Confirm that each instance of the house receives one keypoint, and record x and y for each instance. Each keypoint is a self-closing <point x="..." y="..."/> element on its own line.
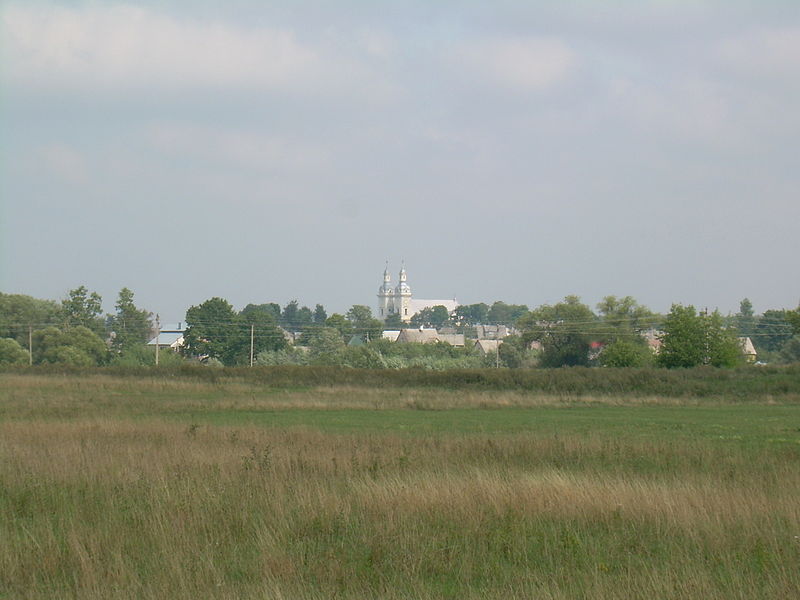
<point x="454" y="339"/>
<point x="488" y="346"/>
<point x="748" y="349"/>
<point x="418" y="336"/>
<point x="492" y="332"/>
<point x="390" y="334"/>
<point x="171" y="338"/>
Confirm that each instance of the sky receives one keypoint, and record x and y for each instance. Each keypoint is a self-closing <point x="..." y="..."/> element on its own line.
<point x="506" y="150"/>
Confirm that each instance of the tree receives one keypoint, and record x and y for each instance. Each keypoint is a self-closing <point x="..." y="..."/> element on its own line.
<point x="472" y="314"/>
<point x="393" y="321"/>
<point x="565" y="331"/>
<point x="320" y="315"/>
<point x="326" y="346"/>
<point x="289" y="315"/>
<point x="501" y="313"/>
<point x="683" y="342"/>
<point x="83" y="308"/>
<point x="793" y="318"/>
<point x="19" y="312"/>
<point x="772" y="331"/>
<point x="745" y="318"/>
<point x="431" y="316"/>
<point x="790" y="353"/>
<point x="266" y="336"/>
<point x="624" y="317"/>
<point x="363" y="323"/>
<point x="340" y="324"/>
<point x="625" y="353"/>
<point x="11" y="353"/>
<point x="131" y="326"/>
<point x="78" y="346"/>
<point x="211" y="329"/>
<point x="691" y="339"/>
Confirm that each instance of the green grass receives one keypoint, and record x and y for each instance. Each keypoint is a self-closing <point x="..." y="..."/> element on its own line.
<point x="113" y="487"/>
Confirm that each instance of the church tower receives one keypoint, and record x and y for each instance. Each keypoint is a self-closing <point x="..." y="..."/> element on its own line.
<point x="385" y="296"/>
<point x="402" y="297"/>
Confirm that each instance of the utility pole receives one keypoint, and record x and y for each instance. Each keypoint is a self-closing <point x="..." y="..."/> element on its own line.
<point x="30" y="345"/>
<point x="251" y="343"/>
<point x="497" y="354"/>
<point x="158" y="332"/>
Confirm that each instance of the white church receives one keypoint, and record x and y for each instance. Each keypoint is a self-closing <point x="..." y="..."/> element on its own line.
<point x="399" y="300"/>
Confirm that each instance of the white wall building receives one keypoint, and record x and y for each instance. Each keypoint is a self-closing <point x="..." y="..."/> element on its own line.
<point x="399" y="300"/>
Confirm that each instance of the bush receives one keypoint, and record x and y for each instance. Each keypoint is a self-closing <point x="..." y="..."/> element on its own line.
<point x="11" y="353"/>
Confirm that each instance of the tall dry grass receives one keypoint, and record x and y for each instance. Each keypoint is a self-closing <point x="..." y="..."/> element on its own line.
<point x="110" y="508"/>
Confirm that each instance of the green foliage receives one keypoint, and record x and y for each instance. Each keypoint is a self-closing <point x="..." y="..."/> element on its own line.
<point x="772" y="331"/>
<point x="745" y="320"/>
<point x="131" y="325"/>
<point x="215" y="330"/>
<point x="624" y="318"/>
<point x="19" y="312"/>
<point x="143" y="355"/>
<point x="362" y="322"/>
<point x="11" y="353"/>
<point x="83" y="308"/>
<point x="394" y="321"/>
<point x="432" y="316"/>
<point x="625" y="353"/>
<point x="790" y="353"/>
<point x="320" y="315"/>
<point x="565" y="331"/>
<point x="210" y="328"/>
<point x="340" y="324"/>
<point x="77" y="346"/>
<point x="289" y="355"/>
<point x="691" y="339"/>
<point x="472" y="314"/>
<point x="683" y="343"/>
<point x="793" y="318"/>
<point x="501" y="313"/>
<point x="325" y="346"/>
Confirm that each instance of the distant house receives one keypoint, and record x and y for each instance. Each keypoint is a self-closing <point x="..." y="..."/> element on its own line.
<point x="430" y="336"/>
<point x="488" y="346"/>
<point x="653" y="339"/>
<point x="171" y="338"/>
<point x="492" y="332"/>
<point x="357" y="340"/>
<point x="454" y="339"/>
<point x="748" y="349"/>
<point x="418" y="336"/>
<point x="391" y="334"/>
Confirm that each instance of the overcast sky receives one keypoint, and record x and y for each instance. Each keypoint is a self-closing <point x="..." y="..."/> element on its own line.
<point x="512" y="150"/>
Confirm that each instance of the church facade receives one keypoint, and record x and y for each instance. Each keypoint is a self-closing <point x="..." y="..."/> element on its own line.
<point x="399" y="300"/>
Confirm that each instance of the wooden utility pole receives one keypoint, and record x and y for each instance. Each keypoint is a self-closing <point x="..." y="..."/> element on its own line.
<point x="251" y="343"/>
<point x="158" y="332"/>
<point x="30" y="345"/>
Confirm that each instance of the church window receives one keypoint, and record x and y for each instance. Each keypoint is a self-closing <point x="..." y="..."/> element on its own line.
<point x="406" y="311"/>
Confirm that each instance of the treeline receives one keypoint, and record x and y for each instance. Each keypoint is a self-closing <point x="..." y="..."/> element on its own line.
<point x="619" y="332"/>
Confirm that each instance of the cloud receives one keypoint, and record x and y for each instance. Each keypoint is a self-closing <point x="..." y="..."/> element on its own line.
<point x="525" y="63"/>
<point x="124" y="46"/>
<point x="65" y="162"/>
<point x="766" y="52"/>
<point x="237" y="148"/>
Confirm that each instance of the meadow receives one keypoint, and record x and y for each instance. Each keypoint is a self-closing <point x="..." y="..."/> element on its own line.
<point x="122" y="485"/>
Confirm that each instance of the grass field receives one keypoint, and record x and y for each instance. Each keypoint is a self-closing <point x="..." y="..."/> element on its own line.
<point x="121" y="487"/>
